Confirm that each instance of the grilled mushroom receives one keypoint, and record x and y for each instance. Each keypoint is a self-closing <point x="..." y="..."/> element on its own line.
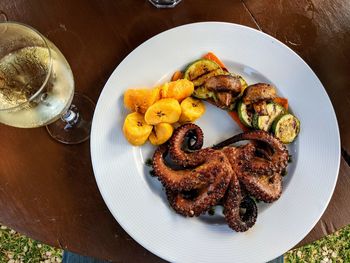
<point x="259" y="92"/>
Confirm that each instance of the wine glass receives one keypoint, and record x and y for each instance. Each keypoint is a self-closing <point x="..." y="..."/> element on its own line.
<point x="37" y="86"/>
<point x="165" y="3"/>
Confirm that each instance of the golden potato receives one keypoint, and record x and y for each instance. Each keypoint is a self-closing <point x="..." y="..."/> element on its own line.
<point x="191" y="109"/>
<point x="135" y="129"/>
<point x="164" y="110"/>
<point x="179" y="89"/>
<point x="139" y="100"/>
<point x="161" y="133"/>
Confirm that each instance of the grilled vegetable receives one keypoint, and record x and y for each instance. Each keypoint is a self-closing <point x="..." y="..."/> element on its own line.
<point x="235" y="117"/>
<point x="281" y="101"/>
<point x="259" y="92"/>
<point x="177" y="75"/>
<point x="227" y="83"/>
<point x="199" y="71"/>
<point x="202" y="93"/>
<point x="264" y="122"/>
<point x="286" y="128"/>
<point x="213" y="57"/>
<point x="243" y="83"/>
<point x="260" y="107"/>
<point x="244" y="115"/>
<point x="224" y="100"/>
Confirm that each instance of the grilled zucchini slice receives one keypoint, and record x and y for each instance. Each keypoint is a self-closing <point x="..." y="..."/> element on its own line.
<point x="264" y="122"/>
<point x="286" y="128"/>
<point x="200" y="70"/>
<point x="244" y="115"/>
<point x="202" y="93"/>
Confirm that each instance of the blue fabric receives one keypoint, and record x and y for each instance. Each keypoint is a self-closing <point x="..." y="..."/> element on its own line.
<point x="69" y="257"/>
<point x="277" y="260"/>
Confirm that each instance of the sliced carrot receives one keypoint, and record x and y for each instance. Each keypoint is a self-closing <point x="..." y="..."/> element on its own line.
<point x="234" y="116"/>
<point x="177" y="75"/>
<point x="282" y="101"/>
<point x="213" y="57"/>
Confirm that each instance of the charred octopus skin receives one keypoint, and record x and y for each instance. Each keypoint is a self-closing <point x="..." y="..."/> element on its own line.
<point x="206" y="196"/>
<point x="236" y="196"/>
<point x="235" y="200"/>
<point x="184" y="154"/>
<point x="212" y="165"/>
<point x="209" y="180"/>
<point x="223" y="173"/>
<point x="262" y="187"/>
<point x="275" y="163"/>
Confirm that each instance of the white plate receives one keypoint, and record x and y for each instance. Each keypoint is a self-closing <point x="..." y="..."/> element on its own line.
<point x="137" y="201"/>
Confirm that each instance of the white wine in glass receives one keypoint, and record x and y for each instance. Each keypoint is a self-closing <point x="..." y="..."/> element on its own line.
<point x="37" y="86"/>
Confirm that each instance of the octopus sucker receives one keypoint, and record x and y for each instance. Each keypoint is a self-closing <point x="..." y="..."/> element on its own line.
<point x="223" y="174"/>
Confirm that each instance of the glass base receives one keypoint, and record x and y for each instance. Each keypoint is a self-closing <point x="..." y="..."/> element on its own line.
<point x="74" y="127"/>
<point x="165" y="3"/>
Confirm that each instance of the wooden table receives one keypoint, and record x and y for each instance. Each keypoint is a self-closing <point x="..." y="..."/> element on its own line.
<point x="48" y="190"/>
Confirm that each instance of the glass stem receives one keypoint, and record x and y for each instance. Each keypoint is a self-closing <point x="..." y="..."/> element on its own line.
<point x="3" y="17"/>
<point x="71" y="117"/>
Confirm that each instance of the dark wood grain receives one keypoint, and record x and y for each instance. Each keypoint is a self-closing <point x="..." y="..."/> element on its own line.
<point x="47" y="190"/>
<point x="319" y="31"/>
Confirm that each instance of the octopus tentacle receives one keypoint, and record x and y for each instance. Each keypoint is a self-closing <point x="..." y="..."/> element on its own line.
<point x="207" y="196"/>
<point x="221" y="173"/>
<point x="266" y="188"/>
<point x="238" y="156"/>
<point x="263" y="187"/>
<point x="178" y="179"/>
<point x="278" y="160"/>
<point x="182" y="156"/>
<point x="187" y="179"/>
<point x="236" y="200"/>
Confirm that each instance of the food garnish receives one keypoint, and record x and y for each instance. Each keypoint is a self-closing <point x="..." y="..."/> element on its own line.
<point x="177" y="75"/>
<point x="211" y="56"/>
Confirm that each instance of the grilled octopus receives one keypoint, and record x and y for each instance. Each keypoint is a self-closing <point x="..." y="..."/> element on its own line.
<point x="224" y="174"/>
